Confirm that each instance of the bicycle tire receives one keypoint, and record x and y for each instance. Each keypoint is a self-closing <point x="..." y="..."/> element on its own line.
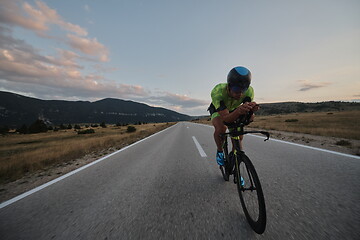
<point x="224" y="173"/>
<point x="224" y="169"/>
<point x="257" y="221"/>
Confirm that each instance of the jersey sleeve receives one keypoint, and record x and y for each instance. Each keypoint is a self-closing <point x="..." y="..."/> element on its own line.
<point x="250" y="93"/>
<point x="217" y="98"/>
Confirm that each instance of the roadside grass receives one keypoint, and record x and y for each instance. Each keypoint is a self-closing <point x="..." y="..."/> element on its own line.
<point x="344" y="124"/>
<point x="21" y="154"/>
<point x="331" y="124"/>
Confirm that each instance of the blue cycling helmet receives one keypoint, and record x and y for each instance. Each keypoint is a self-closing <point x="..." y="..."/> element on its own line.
<point x="239" y="79"/>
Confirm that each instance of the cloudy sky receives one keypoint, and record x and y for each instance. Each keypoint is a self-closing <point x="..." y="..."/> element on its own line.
<point x="172" y="53"/>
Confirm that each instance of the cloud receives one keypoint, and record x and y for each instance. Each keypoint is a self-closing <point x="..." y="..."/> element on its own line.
<point x="89" y="46"/>
<point x="12" y="14"/>
<point x="35" y="18"/>
<point x="103" y="69"/>
<point x="69" y="81"/>
<point x="18" y="51"/>
<point x="87" y="8"/>
<point x="89" y="89"/>
<point x="179" y="100"/>
<point x="21" y="63"/>
<point x="305" y="85"/>
<point x="39" y="18"/>
<point x="175" y="102"/>
<point x="40" y="73"/>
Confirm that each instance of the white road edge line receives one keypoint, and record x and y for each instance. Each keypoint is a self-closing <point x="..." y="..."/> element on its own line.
<point x="301" y="145"/>
<point x="201" y="151"/>
<point x="21" y="196"/>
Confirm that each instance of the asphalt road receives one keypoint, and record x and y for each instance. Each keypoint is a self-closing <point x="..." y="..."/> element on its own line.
<point x="164" y="188"/>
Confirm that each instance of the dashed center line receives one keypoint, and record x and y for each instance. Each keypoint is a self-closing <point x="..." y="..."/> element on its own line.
<point x="201" y="151"/>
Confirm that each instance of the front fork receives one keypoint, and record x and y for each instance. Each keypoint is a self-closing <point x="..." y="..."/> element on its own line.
<point x="237" y="158"/>
<point x="236" y="149"/>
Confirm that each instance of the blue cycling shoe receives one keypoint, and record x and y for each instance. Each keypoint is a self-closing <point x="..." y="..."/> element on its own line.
<point x="242" y="182"/>
<point x="220" y="158"/>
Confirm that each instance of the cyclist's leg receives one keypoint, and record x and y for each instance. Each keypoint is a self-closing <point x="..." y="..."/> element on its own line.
<point x="220" y="128"/>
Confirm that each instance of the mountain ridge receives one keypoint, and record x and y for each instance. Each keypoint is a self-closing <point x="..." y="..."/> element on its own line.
<point x="300" y="107"/>
<point x="16" y="109"/>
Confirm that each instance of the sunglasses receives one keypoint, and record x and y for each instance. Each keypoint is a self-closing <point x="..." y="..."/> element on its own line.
<point x="237" y="89"/>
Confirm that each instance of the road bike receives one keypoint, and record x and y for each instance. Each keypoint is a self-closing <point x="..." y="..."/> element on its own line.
<point x="245" y="177"/>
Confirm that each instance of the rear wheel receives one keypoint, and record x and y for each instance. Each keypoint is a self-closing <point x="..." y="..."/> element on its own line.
<point x="224" y="169"/>
<point x="224" y="173"/>
<point x="250" y="193"/>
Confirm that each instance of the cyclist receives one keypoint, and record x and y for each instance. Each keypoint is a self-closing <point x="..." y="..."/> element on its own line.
<point x="229" y="101"/>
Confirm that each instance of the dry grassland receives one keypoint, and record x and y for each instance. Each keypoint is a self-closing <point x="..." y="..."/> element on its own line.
<point x="344" y="124"/>
<point x="26" y="155"/>
<point x="22" y="154"/>
<point x="330" y="124"/>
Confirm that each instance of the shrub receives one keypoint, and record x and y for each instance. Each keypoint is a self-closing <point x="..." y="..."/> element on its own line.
<point x="291" y="120"/>
<point x="77" y="126"/>
<point x="130" y="129"/>
<point x="38" y="126"/>
<point x="4" y="129"/>
<point x="343" y="143"/>
<point x="69" y="126"/>
<point x="103" y="125"/>
<point x="94" y="125"/>
<point x="23" y="129"/>
<point x="86" y="131"/>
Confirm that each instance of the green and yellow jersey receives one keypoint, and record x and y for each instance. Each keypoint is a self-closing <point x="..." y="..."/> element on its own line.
<point x="221" y="99"/>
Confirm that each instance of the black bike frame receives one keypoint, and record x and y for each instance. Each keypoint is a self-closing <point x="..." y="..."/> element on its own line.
<point x="236" y="129"/>
<point x="236" y="144"/>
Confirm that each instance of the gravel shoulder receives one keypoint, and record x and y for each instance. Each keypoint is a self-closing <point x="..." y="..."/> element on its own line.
<point x="31" y="181"/>
<point x="348" y="146"/>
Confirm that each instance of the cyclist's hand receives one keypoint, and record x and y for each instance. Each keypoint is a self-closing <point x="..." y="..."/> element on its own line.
<point x="254" y="106"/>
<point x="244" y="108"/>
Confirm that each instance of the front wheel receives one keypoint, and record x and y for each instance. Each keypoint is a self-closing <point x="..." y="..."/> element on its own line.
<point x="250" y="193"/>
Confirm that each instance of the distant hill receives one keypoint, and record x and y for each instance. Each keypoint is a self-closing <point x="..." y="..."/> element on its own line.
<point x="299" y="107"/>
<point x="16" y="110"/>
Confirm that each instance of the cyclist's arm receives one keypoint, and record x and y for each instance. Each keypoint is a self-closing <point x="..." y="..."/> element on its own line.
<point x="231" y="117"/>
